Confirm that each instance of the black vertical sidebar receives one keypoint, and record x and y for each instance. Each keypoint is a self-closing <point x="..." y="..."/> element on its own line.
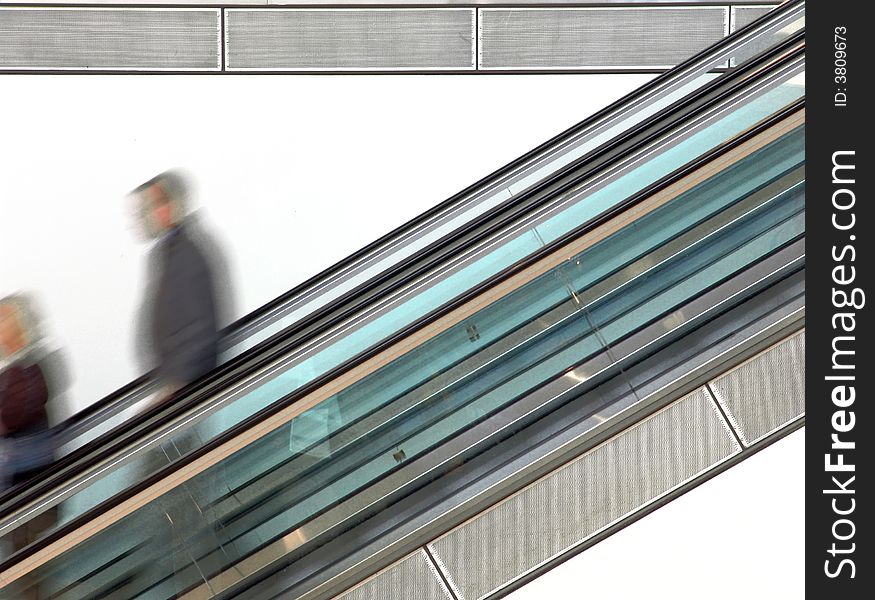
<point x="840" y="230"/>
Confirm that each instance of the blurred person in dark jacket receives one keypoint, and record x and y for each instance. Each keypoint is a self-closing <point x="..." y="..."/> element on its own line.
<point x="186" y="301"/>
<point x="27" y="384"/>
<point x="181" y="311"/>
<point x="24" y="390"/>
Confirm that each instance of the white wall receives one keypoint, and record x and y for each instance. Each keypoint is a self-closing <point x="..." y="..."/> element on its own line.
<point x="295" y="173"/>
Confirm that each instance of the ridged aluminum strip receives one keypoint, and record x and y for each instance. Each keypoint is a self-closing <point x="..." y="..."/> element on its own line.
<point x="578" y="500"/>
<point x="596" y="38"/>
<point x="767" y="392"/>
<point x="412" y="578"/>
<point x="349" y="39"/>
<point x="146" y="39"/>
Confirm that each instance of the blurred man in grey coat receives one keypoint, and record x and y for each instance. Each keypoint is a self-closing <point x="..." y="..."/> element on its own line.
<point x="180" y="320"/>
<point x="185" y="303"/>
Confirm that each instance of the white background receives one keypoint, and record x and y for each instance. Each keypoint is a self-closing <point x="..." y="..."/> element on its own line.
<point x="294" y="174"/>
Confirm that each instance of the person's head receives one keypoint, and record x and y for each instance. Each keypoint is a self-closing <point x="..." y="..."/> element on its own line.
<point x="162" y="202"/>
<point x="17" y="325"/>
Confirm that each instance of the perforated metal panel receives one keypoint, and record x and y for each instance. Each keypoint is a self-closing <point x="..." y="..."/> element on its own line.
<point x="350" y="39"/>
<point x="585" y="496"/>
<point x="597" y="38"/>
<point x="745" y="15"/>
<point x="412" y="578"/>
<point x="767" y="392"/>
<point x="109" y="39"/>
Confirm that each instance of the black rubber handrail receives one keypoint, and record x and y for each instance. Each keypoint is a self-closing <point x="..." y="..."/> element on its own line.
<point x="355" y="300"/>
<point x="422" y="322"/>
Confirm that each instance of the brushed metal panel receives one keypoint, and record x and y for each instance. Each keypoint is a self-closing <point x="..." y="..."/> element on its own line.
<point x="110" y="39"/>
<point x="745" y="15"/>
<point x="596" y="38"/>
<point x="767" y="392"/>
<point x="585" y="496"/>
<point x="350" y="39"/>
<point x="413" y="577"/>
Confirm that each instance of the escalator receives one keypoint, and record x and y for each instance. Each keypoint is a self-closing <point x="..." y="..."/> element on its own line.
<point x="627" y="249"/>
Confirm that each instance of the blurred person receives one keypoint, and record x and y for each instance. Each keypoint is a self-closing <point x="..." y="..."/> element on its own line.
<point x="27" y="384"/>
<point x="25" y="390"/>
<point x="181" y="309"/>
<point x="187" y="299"/>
